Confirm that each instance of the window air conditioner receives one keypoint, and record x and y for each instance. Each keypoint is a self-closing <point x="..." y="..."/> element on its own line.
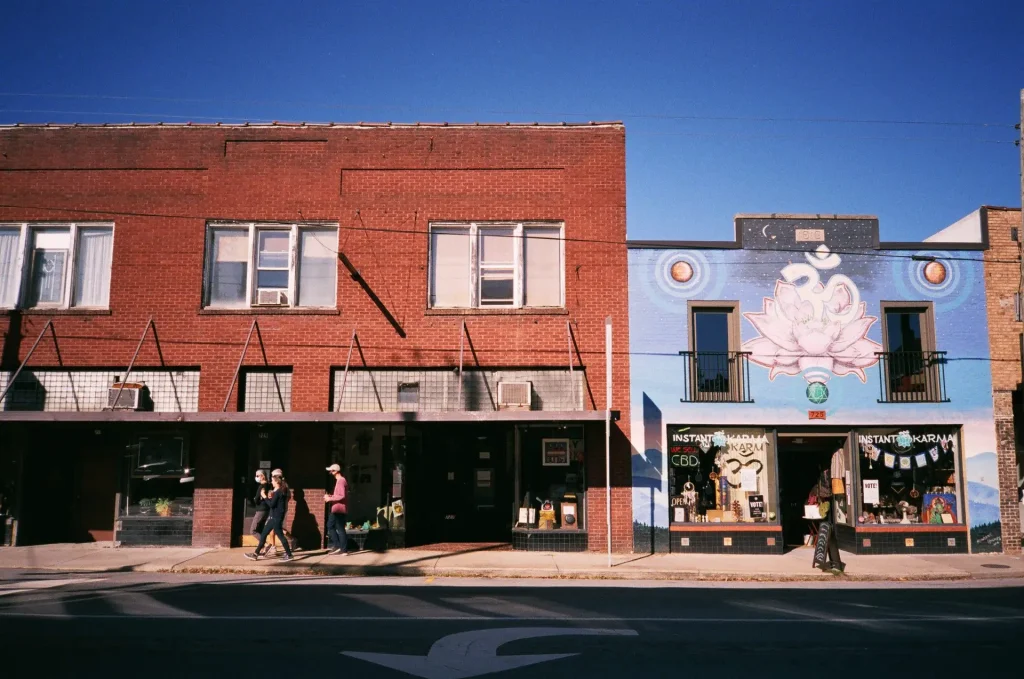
<point x="130" y="396"/>
<point x="265" y="297"/>
<point x="515" y="395"/>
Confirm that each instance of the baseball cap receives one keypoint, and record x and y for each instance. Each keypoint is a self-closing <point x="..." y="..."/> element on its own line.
<point x="278" y="473"/>
<point x="334" y="468"/>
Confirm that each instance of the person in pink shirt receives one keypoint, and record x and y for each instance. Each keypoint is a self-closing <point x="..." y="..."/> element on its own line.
<point x="337" y="512"/>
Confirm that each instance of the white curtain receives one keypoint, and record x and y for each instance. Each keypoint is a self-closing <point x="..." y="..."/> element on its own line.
<point x="318" y="267"/>
<point x="92" y="275"/>
<point x="230" y="263"/>
<point x="449" y="268"/>
<point x="9" y="239"/>
<point x="543" y="272"/>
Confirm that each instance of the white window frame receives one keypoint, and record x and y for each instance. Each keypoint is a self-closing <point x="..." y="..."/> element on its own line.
<point x="252" y="229"/>
<point x="473" y="230"/>
<point x="23" y="263"/>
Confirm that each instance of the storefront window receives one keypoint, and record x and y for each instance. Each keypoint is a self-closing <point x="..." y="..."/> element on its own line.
<point x="720" y="475"/>
<point x="909" y="476"/>
<point x="159" y="482"/>
<point x="552" y="479"/>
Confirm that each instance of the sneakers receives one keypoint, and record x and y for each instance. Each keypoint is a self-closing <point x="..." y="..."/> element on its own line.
<point x="334" y="551"/>
<point x="287" y="557"/>
<point x="252" y="556"/>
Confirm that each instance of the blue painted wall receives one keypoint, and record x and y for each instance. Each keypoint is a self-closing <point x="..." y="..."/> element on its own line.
<point x="808" y="315"/>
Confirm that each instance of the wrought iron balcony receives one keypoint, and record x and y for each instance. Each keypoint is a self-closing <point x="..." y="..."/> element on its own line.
<point x="716" y="377"/>
<point x="912" y="377"/>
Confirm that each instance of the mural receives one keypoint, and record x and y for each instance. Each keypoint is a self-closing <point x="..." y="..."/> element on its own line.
<point x="810" y="318"/>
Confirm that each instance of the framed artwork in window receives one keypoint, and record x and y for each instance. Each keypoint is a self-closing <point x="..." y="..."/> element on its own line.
<point x="555" y="452"/>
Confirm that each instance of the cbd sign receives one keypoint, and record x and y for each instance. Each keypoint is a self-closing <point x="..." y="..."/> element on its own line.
<point x="685" y="461"/>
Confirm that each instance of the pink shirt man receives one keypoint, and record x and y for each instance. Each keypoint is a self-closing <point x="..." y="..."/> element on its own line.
<point x="338" y="497"/>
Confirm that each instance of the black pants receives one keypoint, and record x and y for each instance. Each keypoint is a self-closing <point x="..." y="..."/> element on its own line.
<point x="274" y="524"/>
<point x="258" y="521"/>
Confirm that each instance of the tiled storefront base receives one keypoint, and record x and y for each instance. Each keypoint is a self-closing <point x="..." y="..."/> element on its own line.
<point x="550" y="540"/>
<point x="722" y="540"/>
<point x="161" y="531"/>
<point x="897" y="540"/>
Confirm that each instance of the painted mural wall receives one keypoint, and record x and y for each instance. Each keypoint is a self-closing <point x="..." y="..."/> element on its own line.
<point x="810" y="318"/>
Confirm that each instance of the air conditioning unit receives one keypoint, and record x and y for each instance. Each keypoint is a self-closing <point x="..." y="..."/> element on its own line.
<point x="130" y="397"/>
<point x="515" y="395"/>
<point x="265" y="297"/>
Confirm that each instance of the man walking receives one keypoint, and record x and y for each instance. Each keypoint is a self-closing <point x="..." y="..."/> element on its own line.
<point x="337" y="512"/>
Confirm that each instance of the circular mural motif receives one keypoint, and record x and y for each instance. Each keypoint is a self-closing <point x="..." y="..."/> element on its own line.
<point x="817" y="393"/>
<point x="681" y="272"/>
<point x="935" y="275"/>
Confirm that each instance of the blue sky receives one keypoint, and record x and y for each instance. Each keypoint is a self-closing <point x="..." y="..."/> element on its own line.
<point x="692" y="80"/>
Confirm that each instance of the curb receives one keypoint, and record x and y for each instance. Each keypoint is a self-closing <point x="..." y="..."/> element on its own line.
<point x="520" y="574"/>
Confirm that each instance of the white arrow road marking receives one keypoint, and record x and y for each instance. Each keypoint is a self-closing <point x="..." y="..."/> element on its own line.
<point x="471" y="654"/>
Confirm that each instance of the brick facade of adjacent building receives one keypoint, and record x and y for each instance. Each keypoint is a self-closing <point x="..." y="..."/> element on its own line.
<point x="383" y="185"/>
<point x="1003" y="283"/>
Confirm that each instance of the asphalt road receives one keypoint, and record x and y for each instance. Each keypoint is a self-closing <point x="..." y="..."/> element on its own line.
<point x="130" y="625"/>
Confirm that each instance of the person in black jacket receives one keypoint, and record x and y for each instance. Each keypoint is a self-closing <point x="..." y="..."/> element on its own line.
<point x="263" y="490"/>
<point x="277" y="506"/>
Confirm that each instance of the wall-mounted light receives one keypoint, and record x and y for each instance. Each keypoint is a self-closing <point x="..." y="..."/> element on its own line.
<point x="922" y="258"/>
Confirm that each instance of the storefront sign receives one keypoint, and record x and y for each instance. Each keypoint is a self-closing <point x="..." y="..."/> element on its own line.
<point x="756" y="506"/>
<point x="815" y="414"/>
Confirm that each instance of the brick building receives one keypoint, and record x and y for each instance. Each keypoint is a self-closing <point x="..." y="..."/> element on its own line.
<point x="423" y="304"/>
<point x="1003" y="280"/>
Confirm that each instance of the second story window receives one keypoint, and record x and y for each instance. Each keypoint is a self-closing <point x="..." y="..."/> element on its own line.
<point x="55" y="266"/>
<point x="496" y="265"/>
<point x="911" y="368"/>
<point x="714" y="370"/>
<point x="271" y="265"/>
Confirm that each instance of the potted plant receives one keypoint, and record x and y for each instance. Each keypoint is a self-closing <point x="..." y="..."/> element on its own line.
<point x="163" y="506"/>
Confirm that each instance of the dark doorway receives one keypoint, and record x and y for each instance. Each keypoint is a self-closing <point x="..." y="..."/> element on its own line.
<point x="263" y="446"/>
<point x="461" y="484"/>
<point x="802" y="461"/>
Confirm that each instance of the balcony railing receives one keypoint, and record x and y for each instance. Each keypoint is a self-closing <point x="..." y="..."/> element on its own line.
<point x="912" y="377"/>
<point x="716" y="377"/>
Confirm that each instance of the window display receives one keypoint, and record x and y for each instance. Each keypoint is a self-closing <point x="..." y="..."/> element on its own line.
<point x="720" y="475"/>
<point x="909" y="476"/>
<point x="160" y="483"/>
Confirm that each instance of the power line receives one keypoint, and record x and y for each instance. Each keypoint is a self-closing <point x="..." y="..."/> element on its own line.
<point x="573" y="114"/>
<point x="725" y="245"/>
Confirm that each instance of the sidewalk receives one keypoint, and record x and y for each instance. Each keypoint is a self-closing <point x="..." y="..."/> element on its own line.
<point x="795" y="566"/>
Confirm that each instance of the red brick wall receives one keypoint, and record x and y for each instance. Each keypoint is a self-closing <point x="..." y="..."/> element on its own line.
<point x="1002" y="282"/>
<point x="160" y="185"/>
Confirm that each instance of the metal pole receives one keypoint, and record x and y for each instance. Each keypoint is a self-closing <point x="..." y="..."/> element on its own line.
<point x="131" y="364"/>
<point x="21" y="367"/>
<point x="462" y="340"/>
<point x="608" y="432"/>
<point x="348" y="360"/>
<point x="572" y="376"/>
<point x="241" y="359"/>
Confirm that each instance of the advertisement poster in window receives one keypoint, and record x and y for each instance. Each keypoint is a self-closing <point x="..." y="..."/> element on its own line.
<point x="555" y="452"/>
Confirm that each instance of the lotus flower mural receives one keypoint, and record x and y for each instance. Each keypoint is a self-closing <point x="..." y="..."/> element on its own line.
<point x="813" y="328"/>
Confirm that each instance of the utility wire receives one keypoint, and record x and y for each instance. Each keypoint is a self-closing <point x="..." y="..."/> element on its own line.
<point x="574" y="114"/>
<point x="636" y="244"/>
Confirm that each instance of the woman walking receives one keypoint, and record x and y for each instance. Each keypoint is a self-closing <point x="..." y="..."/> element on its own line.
<point x="277" y="508"/>
<point x="263" y="489"/>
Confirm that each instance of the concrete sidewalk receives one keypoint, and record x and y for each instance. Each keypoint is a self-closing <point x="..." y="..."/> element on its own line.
<point x="794" y="566"/>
